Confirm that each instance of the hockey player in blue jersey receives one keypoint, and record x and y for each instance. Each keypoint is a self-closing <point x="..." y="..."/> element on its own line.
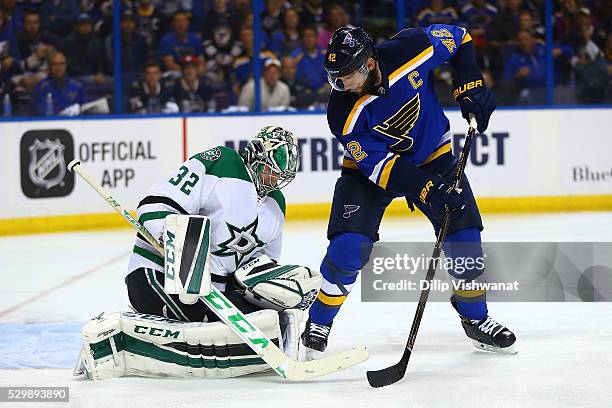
<point x="384" y="111"/>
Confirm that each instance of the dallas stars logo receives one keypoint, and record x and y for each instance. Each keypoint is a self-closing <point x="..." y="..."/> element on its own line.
<point x="242" y="242"/>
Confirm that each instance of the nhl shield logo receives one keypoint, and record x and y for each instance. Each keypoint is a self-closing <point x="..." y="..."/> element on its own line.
<point x="47" y="167"/>
<point x="44" y="154"/>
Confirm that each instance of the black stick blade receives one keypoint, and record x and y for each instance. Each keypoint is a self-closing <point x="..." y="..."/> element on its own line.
<point x="389" y="375"/>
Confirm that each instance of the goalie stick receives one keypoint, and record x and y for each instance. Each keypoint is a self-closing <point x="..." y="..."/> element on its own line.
<point x="236" y="320"/>
<point x="396" y="372"/>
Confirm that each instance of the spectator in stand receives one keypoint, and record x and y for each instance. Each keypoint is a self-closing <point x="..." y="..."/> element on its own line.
<point x="150" y="95"/>
<point x="538" y="10"/>
<point x="527" y="21"/>
<point x="190" y="93"/>
<point x="58" y="16"/>
<point x="133" y="48"/>
<point x="274" y="93"/>
<point x="34" y="47"/>
<point x="8" y="70"/>
<point x="58" y="93"/>
<point x="271" y="16"/>
<point x="301" y="96"/>
<point x="566" y="19"/>
<point x="180" y="43"/>
<point x="602" y="9"/>
<point x="526" y="68"/>
<point x="169" y="8"/>
<point x="101" y="13"/>
<point x="148" y="20"/>
<point x="85" y="52"/>
<point x="505" y="24"/>
<point x="437" y="13"/>
<point x="477" y="15"/>
<point x="8" y="42"/>
<point x="335" y="17"/>
<point x="220" y="14"/>
<point x="312" y="13"/>
<point x="242" y="8"/>
<point x="220" y="52"/>
<point x="586" y="38"/>
<point x="414" y="7"/>
<point x="309" y="59"/>
<point x="9" y="53"/>
<point x="14" y="15"/>
<point x="592" y="69"/>
<point x="243" y="65"/>
<point x="284" y="42"/>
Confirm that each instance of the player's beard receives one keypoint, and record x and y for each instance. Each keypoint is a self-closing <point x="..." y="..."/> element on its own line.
<point x="371" y="83"/>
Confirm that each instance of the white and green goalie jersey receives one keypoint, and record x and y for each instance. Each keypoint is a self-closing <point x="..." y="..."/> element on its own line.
<point x="214" y="183"/>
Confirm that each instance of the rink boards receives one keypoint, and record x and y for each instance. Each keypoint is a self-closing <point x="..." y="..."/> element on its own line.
<point x="528" y="160"/>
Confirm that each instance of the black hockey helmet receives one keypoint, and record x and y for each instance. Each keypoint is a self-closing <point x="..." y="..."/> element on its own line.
<point x="348" y="51"/>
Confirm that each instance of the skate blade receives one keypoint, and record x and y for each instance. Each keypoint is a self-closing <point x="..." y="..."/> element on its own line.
<point x="485" y="347"/>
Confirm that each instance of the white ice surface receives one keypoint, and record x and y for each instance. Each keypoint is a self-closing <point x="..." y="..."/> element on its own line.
<point x="52" y="283"/>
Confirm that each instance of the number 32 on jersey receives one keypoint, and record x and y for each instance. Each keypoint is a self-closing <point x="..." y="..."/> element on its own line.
<point x="188" y="184"/>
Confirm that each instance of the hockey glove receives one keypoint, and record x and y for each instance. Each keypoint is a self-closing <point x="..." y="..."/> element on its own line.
<point x="475" y="97"/>
<point x="431" y="190"/>
<point x="436" y="194"/>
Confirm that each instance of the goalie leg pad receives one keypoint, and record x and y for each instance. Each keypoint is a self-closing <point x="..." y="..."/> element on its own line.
<point x="279" y="287"/>
<point x="135" y="344"/>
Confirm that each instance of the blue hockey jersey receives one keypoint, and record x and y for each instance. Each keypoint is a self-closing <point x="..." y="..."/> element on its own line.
<point x="404" y="117"/>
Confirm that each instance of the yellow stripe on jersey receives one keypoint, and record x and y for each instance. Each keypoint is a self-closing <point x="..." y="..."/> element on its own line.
<point x="331" y="300"/>
<point x="469" y="293"/>
<point x="356" y="107"/>
<point x="386" y="171"/>
<point x="349" y="164"/>
<point x="445" y="148"/>
<point x="466" y="38"/>
<point x="423" y="56"/>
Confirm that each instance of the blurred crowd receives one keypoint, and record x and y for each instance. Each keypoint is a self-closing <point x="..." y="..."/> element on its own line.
<point x="56" y="56"/>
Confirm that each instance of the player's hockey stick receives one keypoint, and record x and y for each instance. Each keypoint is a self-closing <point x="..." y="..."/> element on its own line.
<point x="393" y="374"/>
<point x="236" y="320"/>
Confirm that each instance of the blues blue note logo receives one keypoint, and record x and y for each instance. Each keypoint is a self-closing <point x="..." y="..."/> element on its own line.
<point x="349" y="40"/>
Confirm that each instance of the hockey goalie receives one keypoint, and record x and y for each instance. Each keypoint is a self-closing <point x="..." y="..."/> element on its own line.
<point x="220" y="218"/>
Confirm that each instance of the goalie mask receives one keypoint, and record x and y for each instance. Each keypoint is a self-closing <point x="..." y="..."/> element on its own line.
<point x="271" y="159"/>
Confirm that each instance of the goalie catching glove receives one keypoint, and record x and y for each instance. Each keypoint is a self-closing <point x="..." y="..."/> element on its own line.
<point x="279" y="287"/>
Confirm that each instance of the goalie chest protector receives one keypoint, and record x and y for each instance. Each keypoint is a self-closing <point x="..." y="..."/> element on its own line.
<point x="215" y="183"/>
